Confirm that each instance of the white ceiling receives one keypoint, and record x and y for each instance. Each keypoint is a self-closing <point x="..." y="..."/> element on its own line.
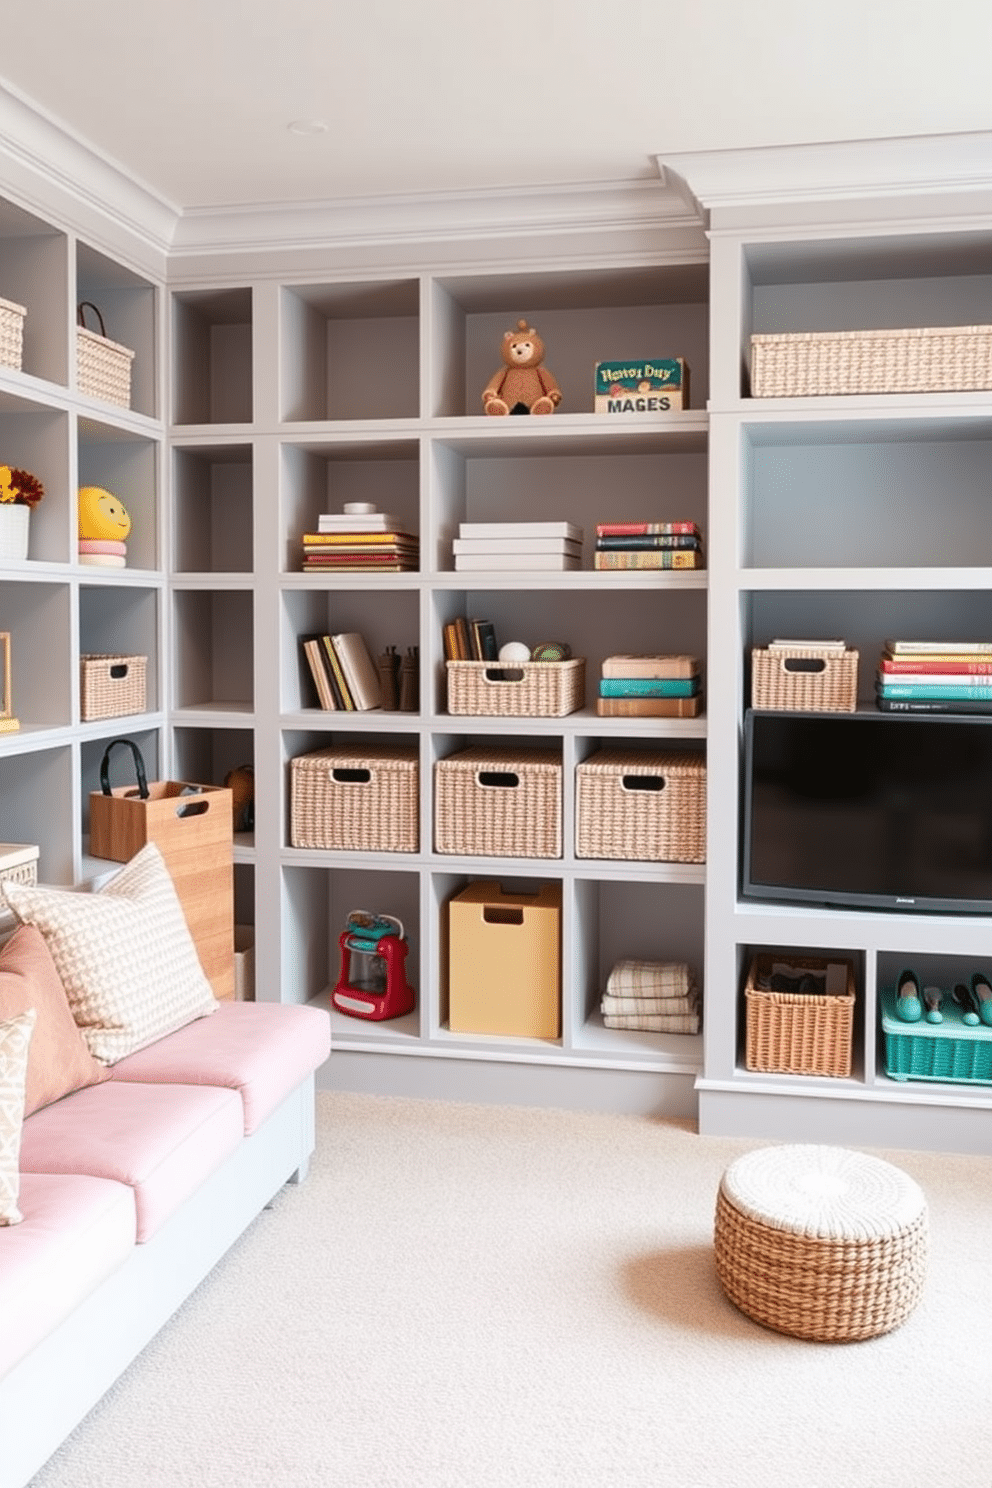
<point x="194" y="97"/>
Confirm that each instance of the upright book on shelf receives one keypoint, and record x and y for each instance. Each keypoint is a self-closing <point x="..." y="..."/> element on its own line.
<point x="313" y="650"/>
<point x="360" y="671"/>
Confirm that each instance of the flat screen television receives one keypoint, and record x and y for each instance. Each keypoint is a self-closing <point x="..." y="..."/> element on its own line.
<point x="866" y="810"/>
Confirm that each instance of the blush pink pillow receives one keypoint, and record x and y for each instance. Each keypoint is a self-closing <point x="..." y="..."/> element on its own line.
<point x="58" y="1059"/>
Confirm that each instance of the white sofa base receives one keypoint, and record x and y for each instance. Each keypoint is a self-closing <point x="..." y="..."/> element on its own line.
<point x="46" y="1395"/>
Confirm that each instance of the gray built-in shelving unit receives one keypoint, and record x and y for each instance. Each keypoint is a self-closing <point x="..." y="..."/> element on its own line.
<point x="277" y="377"/>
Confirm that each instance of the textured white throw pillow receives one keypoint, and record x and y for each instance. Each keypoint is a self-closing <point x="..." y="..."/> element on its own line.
<point x="15" y="1039"/>
<point x="125" y="955"/>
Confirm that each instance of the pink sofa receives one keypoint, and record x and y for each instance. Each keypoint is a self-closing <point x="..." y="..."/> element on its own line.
<point x="131" y="1191"/>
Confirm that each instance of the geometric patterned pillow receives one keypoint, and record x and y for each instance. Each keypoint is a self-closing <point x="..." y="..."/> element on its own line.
<point x="124" y="953"/>
<point x="15" y="1037"/>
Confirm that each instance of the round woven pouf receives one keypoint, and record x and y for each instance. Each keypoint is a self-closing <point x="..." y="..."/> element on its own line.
<point x="821" y="1242"/>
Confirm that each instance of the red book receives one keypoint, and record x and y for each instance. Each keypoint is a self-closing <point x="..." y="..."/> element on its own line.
<point x="642" y="529"/>
<point x="935" y="664"/>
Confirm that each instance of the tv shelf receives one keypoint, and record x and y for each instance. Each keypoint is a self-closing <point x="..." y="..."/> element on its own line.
<point x="861" y="517"/>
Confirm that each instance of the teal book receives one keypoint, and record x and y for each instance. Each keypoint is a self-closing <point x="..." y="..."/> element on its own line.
<point x="648" y="686"/>
<point x="935" y="691"/>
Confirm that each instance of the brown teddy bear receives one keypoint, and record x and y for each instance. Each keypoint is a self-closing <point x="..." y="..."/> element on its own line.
<point x="522" y="385"/>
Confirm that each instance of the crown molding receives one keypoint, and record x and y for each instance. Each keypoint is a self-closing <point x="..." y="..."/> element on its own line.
<point x="54" y="170"/>
<point x="643" y="204"/>
<point x="712" y="182"/>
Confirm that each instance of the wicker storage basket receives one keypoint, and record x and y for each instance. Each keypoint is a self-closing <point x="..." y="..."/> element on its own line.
<point x="365" y="798"/>
<point x="11" y="334"/>
<point x="952" y="1050"/>
<point x="933" y="360"/>
<point x="804" y="678"/>
<point x="529" y="689"/>
<point x="110" y="686"/>
<point x="502" y="803"/>
<point x="798" y="1033"/>
<point x="103" y="367"/>
<point x="641" y="807"/>
<point x="19" y="862"/>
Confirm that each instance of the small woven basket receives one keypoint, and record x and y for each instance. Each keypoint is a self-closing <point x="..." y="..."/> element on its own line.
<point x="18" y="862"/>
<point x="918" y="360"/>
<point x="103" y="367"/>
<point x="11" y="334"/>
<point x="798" y="1033"/>
<point x="110" y="686"/>
<point x="805" y="679"/>
<point x="529" y="689"/>
<point x="647" y="807"/>
<point x="362" y="799"/>
<point x="502" y="803"/>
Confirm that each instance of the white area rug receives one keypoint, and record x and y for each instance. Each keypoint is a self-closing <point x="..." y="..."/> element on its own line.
<point x="491" y="1297"/>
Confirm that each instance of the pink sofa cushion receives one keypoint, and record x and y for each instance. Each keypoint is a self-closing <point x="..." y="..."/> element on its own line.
<point x="74" y="1233"/>
<point x="161" y="1140"/>
<point x="261" y="1049"/>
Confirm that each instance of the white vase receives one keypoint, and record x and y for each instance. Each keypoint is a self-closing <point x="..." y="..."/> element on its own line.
<point x="14" y="524"/>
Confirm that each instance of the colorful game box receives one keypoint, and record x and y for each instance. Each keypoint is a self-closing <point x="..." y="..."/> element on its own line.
<point x="642" y="385"/>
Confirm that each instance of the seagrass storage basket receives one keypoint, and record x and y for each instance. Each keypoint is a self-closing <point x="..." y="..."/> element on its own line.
<point x="514" y="689"/>
<point x="501" y="803"/>
<point x="645" y="807"/>
<point x="19" y="862"/>
<point x="103" y="367"/>
<point x="111" y="686"/>
<point x="799" y="1033"/>
<point x="363" y="798"/>
<point x="807" y="679"/>
<point x="917" y="360"/>
<point x="11" y="334"/>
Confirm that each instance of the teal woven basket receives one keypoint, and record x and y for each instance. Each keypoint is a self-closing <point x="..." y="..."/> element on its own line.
<point x="952" y="1050"/>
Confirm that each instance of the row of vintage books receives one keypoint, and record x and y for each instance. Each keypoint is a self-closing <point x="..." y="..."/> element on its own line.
<point x="648" y="545"/>
<point x="931" y="676"/>
<point x="374" y="541"/>
<point x="347" y="679"/>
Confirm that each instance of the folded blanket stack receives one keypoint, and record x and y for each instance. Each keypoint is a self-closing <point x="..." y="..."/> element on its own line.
<point x="657" y="996"/>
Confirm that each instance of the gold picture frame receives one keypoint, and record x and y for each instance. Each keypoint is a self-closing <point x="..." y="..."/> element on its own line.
<point x="8" y="723"/>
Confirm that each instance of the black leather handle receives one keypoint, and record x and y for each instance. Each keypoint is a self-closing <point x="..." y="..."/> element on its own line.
<point x="82" y="307"/>
<point x="139" y="767"/>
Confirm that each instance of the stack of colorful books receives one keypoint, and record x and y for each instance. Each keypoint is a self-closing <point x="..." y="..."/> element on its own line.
<point x="484" y="546"/>
<point x="650" y="687"/>
<point x="346" y="542"/>
<point x="648" y="545"/>
<point x="935" y="677"/>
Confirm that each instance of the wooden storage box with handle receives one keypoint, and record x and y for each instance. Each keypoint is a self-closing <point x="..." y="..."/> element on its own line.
<point x="193" y="828"/>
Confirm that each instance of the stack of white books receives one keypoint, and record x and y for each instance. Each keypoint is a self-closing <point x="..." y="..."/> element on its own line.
<point x="482" y="546"/>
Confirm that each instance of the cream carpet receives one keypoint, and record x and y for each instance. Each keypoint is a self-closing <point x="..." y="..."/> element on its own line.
<point x="491" y="1297"/>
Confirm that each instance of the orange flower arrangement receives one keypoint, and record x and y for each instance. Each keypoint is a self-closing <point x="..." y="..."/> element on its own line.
<point x="19" y="487"/>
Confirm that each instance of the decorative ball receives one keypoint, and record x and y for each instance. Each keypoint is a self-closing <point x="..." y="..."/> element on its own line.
<point x="551" y="651"/>
<point x="241" y="783"/>
<point x="514" y="651"/>
<point x="102" y="515"/>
